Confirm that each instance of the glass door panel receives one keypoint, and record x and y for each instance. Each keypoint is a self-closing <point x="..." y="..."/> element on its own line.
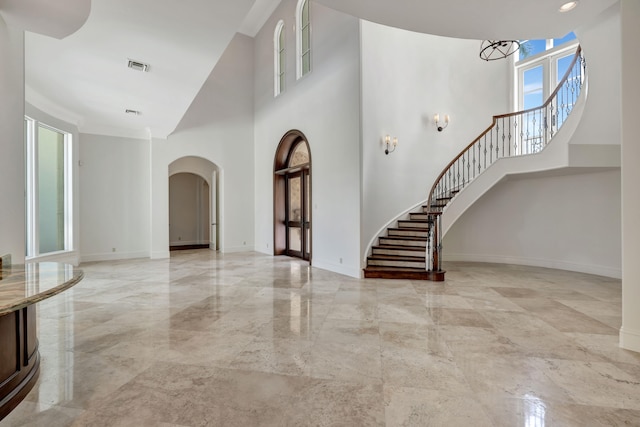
<point x="295" y="239"/>
<point x="51" y="186"/>
<point x="295" y="199"/>
<point x="295" y="214"/>
<point x="307" y="214"/>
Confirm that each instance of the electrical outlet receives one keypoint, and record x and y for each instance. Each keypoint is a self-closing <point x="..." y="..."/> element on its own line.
<point x="340" y="260"/>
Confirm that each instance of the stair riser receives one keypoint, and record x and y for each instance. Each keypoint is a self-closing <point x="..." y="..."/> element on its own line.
<point x="419" y="216"/>
<point x="408" y="233"/>
<point x="401" y="242"/>
<point x="436" y="276"/>
<point x="413" y="224"/>
<point x="391" y="263"/>
<point x="397" y="252"/>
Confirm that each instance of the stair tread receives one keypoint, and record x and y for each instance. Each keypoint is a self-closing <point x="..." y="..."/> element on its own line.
<point x="385" y="268"/>
<point x="406" y="228"/>
<point x="397" y="257"/>
<point x="411" y="238"/>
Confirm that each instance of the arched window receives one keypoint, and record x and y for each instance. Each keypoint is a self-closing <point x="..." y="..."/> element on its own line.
<point x="279" y="59"/>
<point x="303" y="38"/>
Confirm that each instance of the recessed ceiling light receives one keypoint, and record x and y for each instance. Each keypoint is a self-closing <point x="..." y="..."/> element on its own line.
<point x="568" y="6"/>
<point x="132" y="112"/>
<point x="137" y="65"/>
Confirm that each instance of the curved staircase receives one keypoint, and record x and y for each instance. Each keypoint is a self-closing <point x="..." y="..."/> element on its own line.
<point x="412" y="248"/>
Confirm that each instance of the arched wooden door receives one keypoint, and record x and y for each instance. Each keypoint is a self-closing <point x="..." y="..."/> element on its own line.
<point x="292" y="197"/>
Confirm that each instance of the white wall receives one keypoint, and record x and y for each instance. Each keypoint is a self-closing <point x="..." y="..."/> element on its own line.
<point x="600" y="41"/>
<point x="12" y="208"/>
<point x="114" y="197"/>
<point x="568" y="219"/>
<point x="218" y="127"/>
<point x="408" y="77"/>
<point x="324" y="105"/>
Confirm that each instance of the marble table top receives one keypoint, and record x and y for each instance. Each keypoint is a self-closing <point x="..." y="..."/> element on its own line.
<point x="23" y="285"/>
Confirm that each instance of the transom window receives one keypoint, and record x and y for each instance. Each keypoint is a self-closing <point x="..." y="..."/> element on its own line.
<point x="300" y="155"/>
<point x="303" y="38"/>
<point x="49" y="198"/>
<point x="540" y="65"/>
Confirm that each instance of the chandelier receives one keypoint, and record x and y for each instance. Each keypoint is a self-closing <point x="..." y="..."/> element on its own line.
<point x="490" y="50"/>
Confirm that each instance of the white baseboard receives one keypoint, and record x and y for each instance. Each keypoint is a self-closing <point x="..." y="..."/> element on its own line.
<point x="629" y="340"/>
<point x="71" y="257"/>
<point x="337" y="268"/>
<point x="537" y="262"/>
<point x="160" y="254"/>
<point x="189" y="242"/>
<point x="113" y="256"/>
<point x="235" y="249"/>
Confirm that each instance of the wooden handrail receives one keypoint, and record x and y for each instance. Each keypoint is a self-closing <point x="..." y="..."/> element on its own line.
<point x="501" y="116"/>
<point x="450" y="165"/>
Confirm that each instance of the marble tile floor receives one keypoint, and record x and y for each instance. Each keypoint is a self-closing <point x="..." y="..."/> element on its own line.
<point x="204" y="339"/>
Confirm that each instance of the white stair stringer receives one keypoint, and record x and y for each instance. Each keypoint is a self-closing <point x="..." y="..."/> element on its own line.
<point x="560" y="153"/>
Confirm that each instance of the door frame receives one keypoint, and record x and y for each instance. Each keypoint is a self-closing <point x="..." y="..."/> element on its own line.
<point x="281" y="172"/>
<point x="304" y="223"/>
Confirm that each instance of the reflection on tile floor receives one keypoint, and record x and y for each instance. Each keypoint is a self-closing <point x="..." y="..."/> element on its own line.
<point x="251" y="340"/>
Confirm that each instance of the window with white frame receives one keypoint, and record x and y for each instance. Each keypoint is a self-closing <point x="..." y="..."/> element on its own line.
<point x="540" y="66"/>
<point x="279" y="59"/>
<point x="49" y="189"/>
<point x="303" y="39"/>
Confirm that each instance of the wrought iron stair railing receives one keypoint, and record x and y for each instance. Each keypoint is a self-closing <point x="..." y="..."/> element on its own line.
<point x="514" y="134"/>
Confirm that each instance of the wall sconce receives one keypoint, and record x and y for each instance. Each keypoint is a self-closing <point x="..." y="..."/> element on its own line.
<point x="388" y="141"/>
<point x="436" y="118"/>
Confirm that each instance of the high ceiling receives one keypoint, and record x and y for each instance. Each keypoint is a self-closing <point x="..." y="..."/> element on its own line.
<point x="476" y="19"/>
<point x="84" y="78"/>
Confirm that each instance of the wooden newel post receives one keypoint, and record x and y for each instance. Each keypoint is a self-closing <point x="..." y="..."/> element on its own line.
<point x="436" y="242"/>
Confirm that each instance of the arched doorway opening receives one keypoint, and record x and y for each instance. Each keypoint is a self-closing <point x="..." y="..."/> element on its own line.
<point x="189" y="212"/>
<point x="194" y="204"/>
<point x="292" y="197"/>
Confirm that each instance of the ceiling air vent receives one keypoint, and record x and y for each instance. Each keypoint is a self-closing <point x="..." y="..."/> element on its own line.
<point x="139" y="66"/>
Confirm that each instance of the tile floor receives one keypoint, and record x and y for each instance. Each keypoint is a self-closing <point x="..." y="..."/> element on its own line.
<point x="251" y="340"/>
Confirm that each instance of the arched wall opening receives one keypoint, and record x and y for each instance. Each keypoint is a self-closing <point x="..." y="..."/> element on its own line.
<point x="189" y="212"/>
<point x="200" y="223"/>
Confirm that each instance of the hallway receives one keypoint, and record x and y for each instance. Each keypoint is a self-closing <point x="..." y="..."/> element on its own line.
<point x="248" y="339"/>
